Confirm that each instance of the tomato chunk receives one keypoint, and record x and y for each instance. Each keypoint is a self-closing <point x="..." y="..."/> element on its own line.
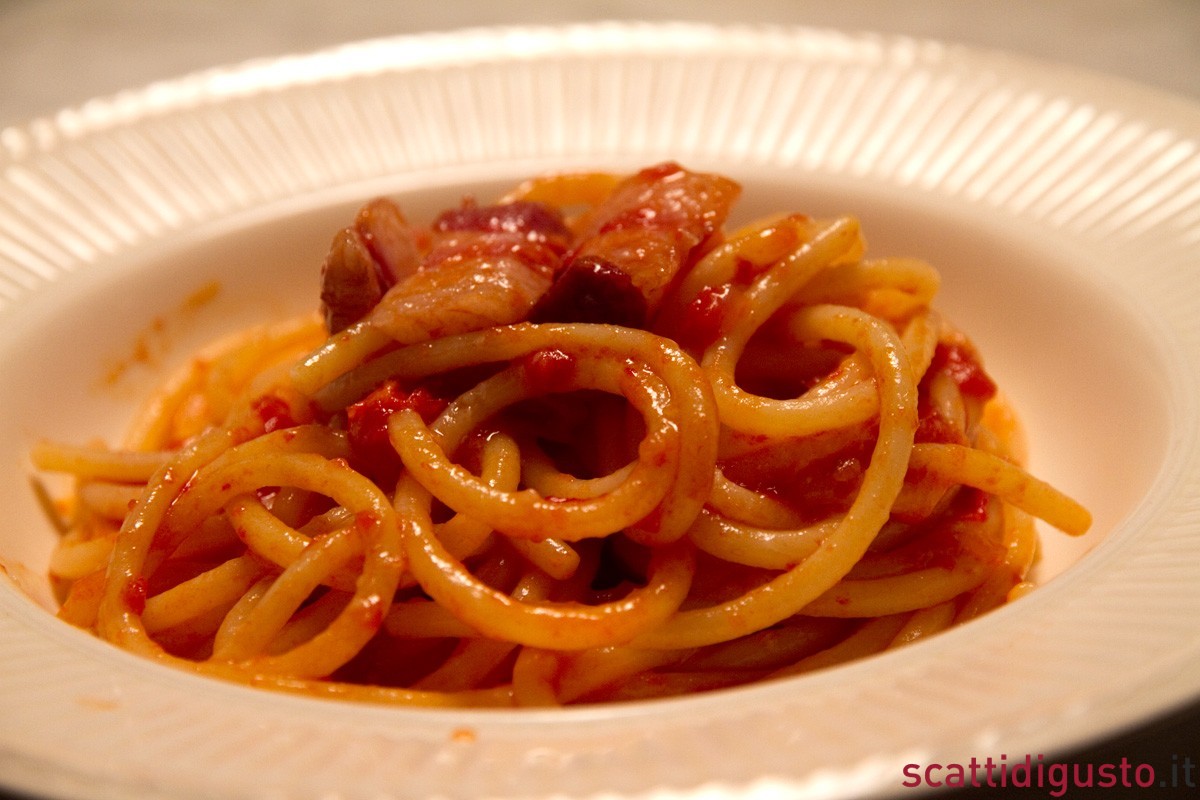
<point x="367" y="425"/>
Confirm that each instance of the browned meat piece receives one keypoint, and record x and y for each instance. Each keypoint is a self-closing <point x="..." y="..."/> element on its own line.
<point x="487" y="266"/>
<point x="641" y="236"/>
<point x="364" y="261"/>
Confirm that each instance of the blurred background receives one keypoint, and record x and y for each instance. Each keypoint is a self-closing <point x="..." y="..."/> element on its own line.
<point x="56" y="53"/>
<point x="60" y="53"/>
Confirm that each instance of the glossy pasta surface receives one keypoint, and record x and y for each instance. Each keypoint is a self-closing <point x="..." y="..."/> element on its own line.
<point x="585" y="443"/>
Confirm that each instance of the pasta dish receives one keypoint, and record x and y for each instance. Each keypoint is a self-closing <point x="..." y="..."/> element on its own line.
<point x="585" y="443"/>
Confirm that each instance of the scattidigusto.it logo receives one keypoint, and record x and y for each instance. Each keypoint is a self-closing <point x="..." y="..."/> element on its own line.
<point x="1033" y="772"/>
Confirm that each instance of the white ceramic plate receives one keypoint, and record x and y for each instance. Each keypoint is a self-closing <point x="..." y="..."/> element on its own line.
<point x="1062" y="208"/>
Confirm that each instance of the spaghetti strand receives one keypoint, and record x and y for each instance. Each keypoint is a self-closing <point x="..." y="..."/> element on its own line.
<point x="579" y="445"/>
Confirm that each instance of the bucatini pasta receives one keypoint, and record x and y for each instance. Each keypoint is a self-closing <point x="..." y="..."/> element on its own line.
<point x="582" y="444"/>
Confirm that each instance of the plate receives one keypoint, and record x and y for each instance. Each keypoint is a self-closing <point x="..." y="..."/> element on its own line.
<point x="1063" y="209"/>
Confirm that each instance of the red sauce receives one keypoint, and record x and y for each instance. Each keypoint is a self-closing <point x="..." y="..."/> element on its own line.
<point x="970" y="505"/>
<point x="939" y="550"/>
<point x="652" y="522"/>
<point x="549" y="371"/>
<point x="364" y="521"/>
<point x="134" y="595"/>
<point x="746" y="271"/>
<point x="958" y="361"/>
<point x="367" y="420"/>
<point x="815" y="490"/>
<point x="961" y="363"/>
<point x="933" y="427"/>
<point x="943" y="542"/>
<point x="704" y="316"/>
<point x="274" y="412"/>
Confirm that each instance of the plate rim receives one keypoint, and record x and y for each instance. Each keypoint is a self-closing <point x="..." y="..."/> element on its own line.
<point x="43" y="138"/>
